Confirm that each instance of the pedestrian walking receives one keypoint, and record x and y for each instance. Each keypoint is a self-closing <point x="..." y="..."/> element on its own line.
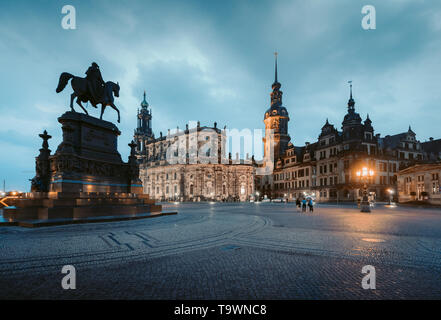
<point x="304" y="205"/>
<point x="298" y="204"/>
<point x="311" y="205"/>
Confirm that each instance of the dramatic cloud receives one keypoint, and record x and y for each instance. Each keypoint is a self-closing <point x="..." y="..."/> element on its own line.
<point x="212" y="61"/>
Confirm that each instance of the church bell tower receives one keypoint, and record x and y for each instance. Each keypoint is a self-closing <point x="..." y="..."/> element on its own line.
<point x="143" y="131"/>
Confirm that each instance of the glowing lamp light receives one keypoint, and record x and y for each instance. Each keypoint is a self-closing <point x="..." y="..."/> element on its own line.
<point x="365" y="172"/>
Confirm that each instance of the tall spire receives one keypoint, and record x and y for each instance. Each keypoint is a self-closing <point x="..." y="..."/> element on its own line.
<point x="144" y="103"/>
<point x="350" y="83"/>
<point x="351" y="101"/>
<point x="276" y="95"/>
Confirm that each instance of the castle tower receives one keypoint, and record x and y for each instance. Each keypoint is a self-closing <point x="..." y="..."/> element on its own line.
<point x="352" y="126"/>
<point x="143" y="131"/>
<point x="276" y="124"/>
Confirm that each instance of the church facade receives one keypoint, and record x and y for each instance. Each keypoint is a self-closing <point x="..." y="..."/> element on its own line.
<point x="190" y="164"/>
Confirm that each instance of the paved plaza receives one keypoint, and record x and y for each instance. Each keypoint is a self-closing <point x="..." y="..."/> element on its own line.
<point x="231" y="251"/>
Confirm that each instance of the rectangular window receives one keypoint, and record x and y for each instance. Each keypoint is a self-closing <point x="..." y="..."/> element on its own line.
<point x="435" y="187"/>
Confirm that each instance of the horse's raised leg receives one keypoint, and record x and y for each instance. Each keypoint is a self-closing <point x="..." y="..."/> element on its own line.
<point x="72" y="97"/>
<point x="79" y="103"/>
<point x="114" y="107"/>
<point x="103" y="107"/>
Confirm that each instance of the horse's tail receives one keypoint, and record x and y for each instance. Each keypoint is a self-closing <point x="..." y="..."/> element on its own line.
<point x="64" y="79"/>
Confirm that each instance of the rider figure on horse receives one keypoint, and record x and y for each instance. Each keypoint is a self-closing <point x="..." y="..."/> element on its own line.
<point x="95" y="83"/>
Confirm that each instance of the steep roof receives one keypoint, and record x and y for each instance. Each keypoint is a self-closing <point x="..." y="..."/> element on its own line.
<point x="433" y="146"/>
<point x="394" y="140"/>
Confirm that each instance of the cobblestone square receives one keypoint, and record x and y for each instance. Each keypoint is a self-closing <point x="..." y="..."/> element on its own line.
<point x="231" y="251"/>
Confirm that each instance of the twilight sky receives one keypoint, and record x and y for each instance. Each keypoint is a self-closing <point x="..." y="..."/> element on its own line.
<point x="213" y="61"/>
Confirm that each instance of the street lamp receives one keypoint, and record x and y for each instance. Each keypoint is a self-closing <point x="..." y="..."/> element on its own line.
<point x="391" y="192"/>
<point x="364" y="174"/>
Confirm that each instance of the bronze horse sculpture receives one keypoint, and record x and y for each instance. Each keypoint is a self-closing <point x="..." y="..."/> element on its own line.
<point x="82" y="93"/>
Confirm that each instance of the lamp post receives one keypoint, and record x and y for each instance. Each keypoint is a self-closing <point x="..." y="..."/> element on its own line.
<point x="364" y="174"/>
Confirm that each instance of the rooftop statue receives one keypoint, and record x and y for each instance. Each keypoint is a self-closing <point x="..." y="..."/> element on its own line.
<point x="92" y="88"/>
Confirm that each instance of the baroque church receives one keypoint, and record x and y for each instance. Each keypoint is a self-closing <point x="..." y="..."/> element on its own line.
<point x="190" y="164"/>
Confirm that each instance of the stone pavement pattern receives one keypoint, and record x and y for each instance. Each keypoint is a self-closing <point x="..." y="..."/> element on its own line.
<point x="231" y="251"/>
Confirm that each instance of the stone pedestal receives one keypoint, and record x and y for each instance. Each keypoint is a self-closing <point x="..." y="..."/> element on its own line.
<point x="88" y="159"/>
<point x="86" y="176"/>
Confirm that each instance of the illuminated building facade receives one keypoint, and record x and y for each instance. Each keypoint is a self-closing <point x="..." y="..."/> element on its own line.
<point x="190" y="164"/>
<point x="326" y="169"/>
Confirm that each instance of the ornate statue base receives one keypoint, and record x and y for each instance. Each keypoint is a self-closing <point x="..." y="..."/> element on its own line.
<point x="85" y="177"/>
<point x="88" y="159"/>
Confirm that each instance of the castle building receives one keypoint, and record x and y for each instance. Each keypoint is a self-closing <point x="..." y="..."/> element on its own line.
<point x="190" y="164"/>
<point x="326" y="169"/>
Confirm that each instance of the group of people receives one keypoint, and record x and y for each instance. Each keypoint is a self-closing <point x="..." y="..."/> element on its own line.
<point x="301" y="204"/>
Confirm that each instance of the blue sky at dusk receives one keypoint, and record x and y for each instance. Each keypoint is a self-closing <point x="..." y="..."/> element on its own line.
<point x="213" y="61"/>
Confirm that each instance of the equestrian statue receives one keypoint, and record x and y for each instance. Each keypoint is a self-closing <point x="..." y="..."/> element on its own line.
<point x="92" y="88"/>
